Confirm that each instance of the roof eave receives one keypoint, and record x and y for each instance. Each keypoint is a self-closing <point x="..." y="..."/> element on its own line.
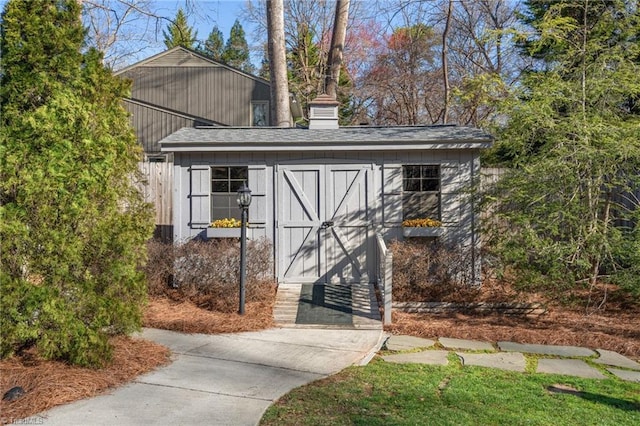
<point x="168" y="146"/>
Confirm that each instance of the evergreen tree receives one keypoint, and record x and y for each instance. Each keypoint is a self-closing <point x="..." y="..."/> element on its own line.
<point x="236" y="51"/>
<point x="73" y="227"/>
<point x="214" y="45"/>
<point x="264" y="71"/>
<point x="305" y="67"/>
<point x="573" y="144"/>
<point x="179" y="33"/>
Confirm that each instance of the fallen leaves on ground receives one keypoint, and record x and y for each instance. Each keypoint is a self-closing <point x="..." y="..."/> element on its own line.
<point x="51" y="383"/>
<point x="619" y="332"/>
<point x="188" y="318"/>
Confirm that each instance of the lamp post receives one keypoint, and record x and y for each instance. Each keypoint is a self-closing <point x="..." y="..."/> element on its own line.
<point x="244" y="200"/>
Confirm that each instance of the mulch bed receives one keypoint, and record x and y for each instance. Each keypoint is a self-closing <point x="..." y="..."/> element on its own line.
<point x="619" y="332"/>
<point x="51" y="383"/>
<point x="186" y="317"/>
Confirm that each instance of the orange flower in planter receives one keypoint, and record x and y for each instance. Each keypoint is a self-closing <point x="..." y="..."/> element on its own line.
<point x="421" y="223"/>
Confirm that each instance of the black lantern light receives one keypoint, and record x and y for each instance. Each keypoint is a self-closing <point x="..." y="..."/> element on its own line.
<point x="244" y="197"/>
<point x="244" y="201"/>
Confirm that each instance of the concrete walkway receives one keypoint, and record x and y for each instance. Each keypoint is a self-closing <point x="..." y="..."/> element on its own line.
<point x="563" y="360"/>
<point x="228" y="379"/>
<point x="231" y="379"/>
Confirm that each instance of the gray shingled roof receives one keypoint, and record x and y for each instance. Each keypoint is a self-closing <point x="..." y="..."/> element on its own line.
<point x="442" y="137"/>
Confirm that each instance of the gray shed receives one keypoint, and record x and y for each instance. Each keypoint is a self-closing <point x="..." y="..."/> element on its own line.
<point x="322" y="195"/>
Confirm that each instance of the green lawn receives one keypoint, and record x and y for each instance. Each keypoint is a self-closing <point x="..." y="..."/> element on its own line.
<point x="395" y="394"/>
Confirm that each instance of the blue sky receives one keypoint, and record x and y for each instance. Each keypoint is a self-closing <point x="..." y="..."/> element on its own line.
<point x="202" y="16"/>
<point x="206" y="14"/>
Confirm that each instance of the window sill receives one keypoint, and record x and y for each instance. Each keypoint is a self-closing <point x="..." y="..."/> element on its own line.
<point x="408" y="232"/>
<point x="223" y="232"/>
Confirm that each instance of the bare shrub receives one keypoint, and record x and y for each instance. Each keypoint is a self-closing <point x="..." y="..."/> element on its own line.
<point x="207" y="273"/>
<point x="159" y="267"/>
<point x="428" y="271"/>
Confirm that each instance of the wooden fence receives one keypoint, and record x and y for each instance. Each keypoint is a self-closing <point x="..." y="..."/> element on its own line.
<point x="624" y="201"/>
<point x="157" y="187"/>
<point x="490" y="175"/>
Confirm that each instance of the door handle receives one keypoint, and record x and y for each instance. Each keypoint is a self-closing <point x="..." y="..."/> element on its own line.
<point x="327" y="224"/>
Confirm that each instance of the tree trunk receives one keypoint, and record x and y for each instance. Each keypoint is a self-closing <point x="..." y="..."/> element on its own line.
<point x="337" y="48"/>
<point x="280" y="111"/>
<point x="445" y="64"/>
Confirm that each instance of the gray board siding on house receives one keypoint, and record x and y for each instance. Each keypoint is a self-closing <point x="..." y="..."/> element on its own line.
<point x="213" y="93"/>
<point x="152" y="123"/>
<point x="344" y="138"/>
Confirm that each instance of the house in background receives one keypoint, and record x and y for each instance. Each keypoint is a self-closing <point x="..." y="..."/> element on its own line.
<point x="325" y="196"/>
<point x="180" y="88"/>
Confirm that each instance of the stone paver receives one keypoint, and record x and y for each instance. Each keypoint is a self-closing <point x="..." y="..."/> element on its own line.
<point x="470" y="345"/>
<point x="568" y="367"/>
<point x="512" y="357"/>
<point x="511" y="361"/>
<point x="568" y="351"/>
<point x="403" y="343"/>
<point x="629" y="376"/>
<point x="615" y="359"/>
<point x="424" y="357"/>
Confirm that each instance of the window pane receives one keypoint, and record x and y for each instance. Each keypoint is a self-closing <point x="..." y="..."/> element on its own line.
<point x="411" y="172"/>
<point x="411" y="185"/>
<point x="430" y="184"/>
<point x="418" y="205"/>
<point x="220" y="206"/>
<point x="235" y="185"/>
<point x="260" y="113"/>
<point x="430" y="171"/>
<point x="219" y="173"/>
<point x="219" y="186"/>
<point x="238" y="172"/>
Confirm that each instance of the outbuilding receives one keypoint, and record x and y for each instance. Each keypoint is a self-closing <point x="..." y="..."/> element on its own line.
<point x="322" y="195"/>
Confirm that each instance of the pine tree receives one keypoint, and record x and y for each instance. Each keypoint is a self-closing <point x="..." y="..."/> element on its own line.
<point x="179" y="33"/>
<point x="573" y="144"/>
<point x="73" y="227"/>
<point x="236" y="51"/>
<point x="305" y="67"/>
<point x="214" y="45"/>
<point x="264" y="70"/>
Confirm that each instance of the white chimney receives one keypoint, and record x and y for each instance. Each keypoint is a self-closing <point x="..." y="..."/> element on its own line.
<point x="323" y="113"/>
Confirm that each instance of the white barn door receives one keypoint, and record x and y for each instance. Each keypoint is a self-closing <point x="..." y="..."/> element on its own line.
<point x="299" y="218"/>
<point x="324" y="215"/>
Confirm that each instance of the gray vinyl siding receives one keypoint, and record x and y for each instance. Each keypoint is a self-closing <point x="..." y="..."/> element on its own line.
<point x="213" y="93"/>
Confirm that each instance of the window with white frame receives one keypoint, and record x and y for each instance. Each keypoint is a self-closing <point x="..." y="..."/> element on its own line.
<point x="421" y="191"/>
<point x="225" y="182"/>
<point x="259" y="113"/>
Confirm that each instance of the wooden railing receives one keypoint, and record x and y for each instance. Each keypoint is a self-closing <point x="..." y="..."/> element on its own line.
<point x="384" y="272"/>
